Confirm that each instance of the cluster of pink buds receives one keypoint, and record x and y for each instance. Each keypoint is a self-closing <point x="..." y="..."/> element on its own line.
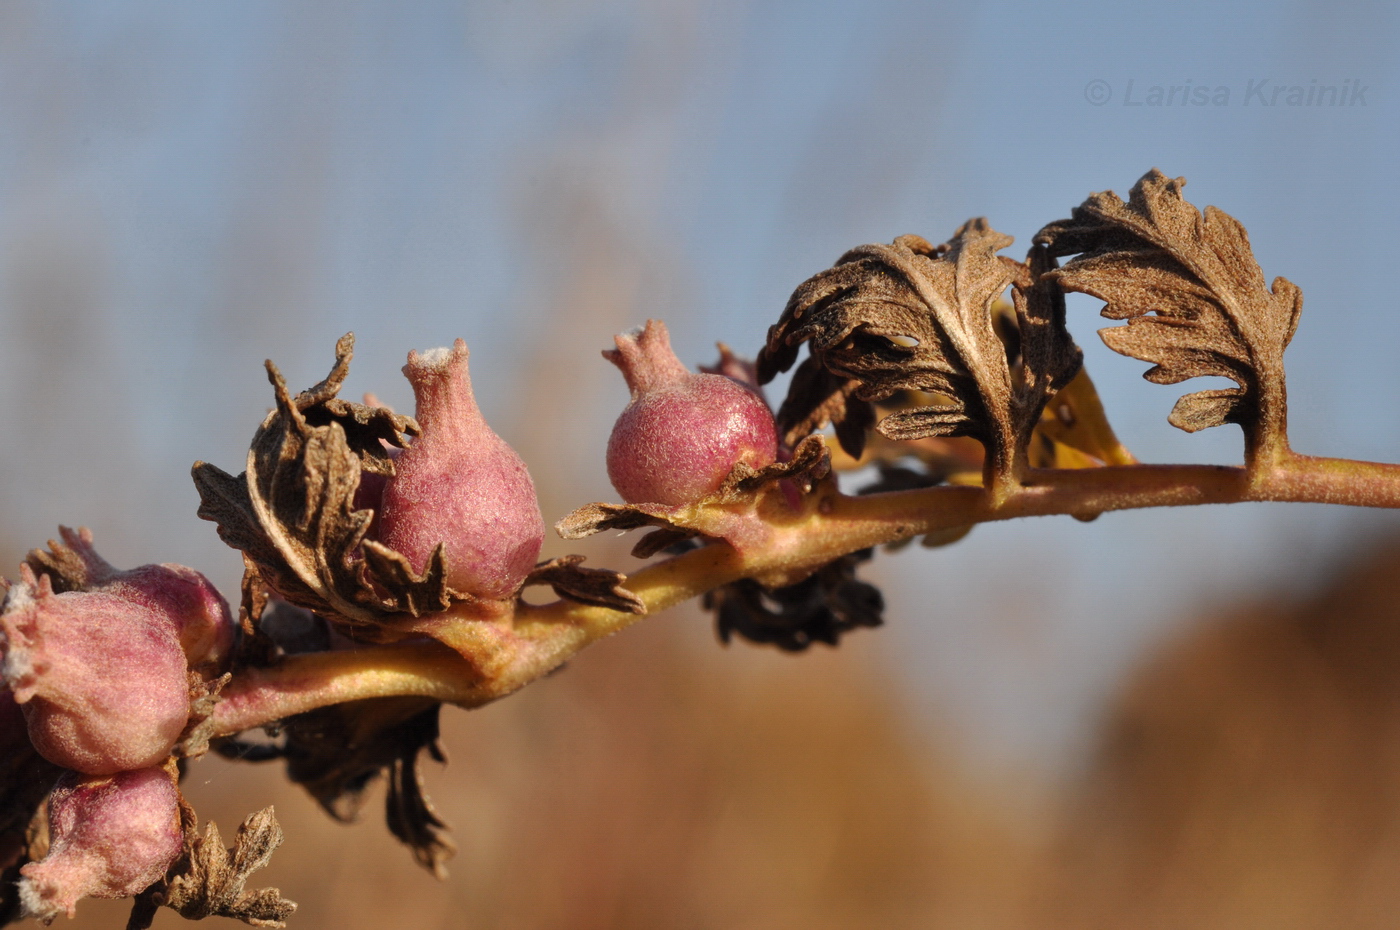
<point x="682" y="433"/>
<point x="103" y="675"/>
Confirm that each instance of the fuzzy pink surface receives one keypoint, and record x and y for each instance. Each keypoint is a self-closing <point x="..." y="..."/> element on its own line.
<point x="102" y="678"/>
<point x="191" y="604"/>
<point x="461" y="485"/>
<point x="110" y="837"/>
<point x="683" y="432"/>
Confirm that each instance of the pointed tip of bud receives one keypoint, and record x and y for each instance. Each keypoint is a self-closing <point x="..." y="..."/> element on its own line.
<point x="646" y="358"/>
<point x="437" y="361"/>
<point x="442" y="386"/>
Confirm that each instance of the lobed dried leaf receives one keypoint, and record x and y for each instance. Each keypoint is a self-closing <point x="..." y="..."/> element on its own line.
<point x="597" y="586"/>
<point x="337" y="752"/>
<point x="819" y="609"/>
<point x="911" y="316"/>
<point x="1194" y="298"/>
<point x="210" y="880"/>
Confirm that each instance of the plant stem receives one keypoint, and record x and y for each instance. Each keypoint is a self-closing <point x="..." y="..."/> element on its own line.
<point x="509" y="655"/>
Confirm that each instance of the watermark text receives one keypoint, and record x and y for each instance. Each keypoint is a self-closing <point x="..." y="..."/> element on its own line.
<point x="1263" y="92"/>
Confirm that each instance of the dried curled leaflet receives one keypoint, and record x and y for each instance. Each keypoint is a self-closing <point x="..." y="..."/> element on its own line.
<point x="732" y="513"/>
<point x="911" y="316"/>
<point x="1194" y="298"/>
<point x="336" y="753"/>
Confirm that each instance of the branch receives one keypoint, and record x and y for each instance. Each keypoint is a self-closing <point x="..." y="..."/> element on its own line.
<point x="506" y="655"/>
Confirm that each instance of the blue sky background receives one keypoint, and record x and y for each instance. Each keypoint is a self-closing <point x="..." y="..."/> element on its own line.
<point x="187" y="189"/>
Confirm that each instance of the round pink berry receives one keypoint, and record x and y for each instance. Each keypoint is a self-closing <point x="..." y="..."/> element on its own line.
<point x="683" y="433"/>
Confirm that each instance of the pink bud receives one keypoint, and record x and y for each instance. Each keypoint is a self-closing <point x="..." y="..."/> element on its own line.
<point x="102" y="677"/>
<point x="109" y="837"/>
<point x="459" y="484"/>
<point x="683" y="433"/>
<point x="191" y="605"/>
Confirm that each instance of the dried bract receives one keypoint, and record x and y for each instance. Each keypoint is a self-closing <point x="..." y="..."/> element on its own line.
<point x="732" y="513"/>
<point x="1194" y="298"/>
<point x="210" y="880"/>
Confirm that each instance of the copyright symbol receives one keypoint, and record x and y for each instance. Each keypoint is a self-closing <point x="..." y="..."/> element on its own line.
<point x="1098" y="92"/>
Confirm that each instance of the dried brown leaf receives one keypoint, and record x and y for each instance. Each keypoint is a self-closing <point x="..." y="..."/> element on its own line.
<point x="1194" y="298"/>
<point x="597" y="586"/>
<point x="911" y="316"/>
<point x="210" y="880"/>
<point x="337" y="752"/>
<point x="817" y="397"/>
<point x="819" y="609"/>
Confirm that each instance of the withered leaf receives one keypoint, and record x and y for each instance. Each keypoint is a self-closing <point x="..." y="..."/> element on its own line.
<point x="415" y="592"/>
<point x="367" y="428"/>
<point x="912" y="316"/>
<point x="597" y="586"/>
<point x="210" y="880"/>
<point x="810" y="463"/>
<point x="204" y="697"/>
<point x="1194" y="298"/>
<point x="594" y="518"/>
<point x="1049" y="359"/>
<point x="337" y="752"/>
<point x="817" y="397"/>
<point x="820" y="609"/>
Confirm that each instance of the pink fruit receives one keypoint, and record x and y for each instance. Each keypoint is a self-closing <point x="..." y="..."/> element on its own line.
<point x="191" y="605"/>
<point x="683" y="433"/>
<point x="460" y="485"/>
<point x="102" y="677"/>
<point x="110" y="837"/>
